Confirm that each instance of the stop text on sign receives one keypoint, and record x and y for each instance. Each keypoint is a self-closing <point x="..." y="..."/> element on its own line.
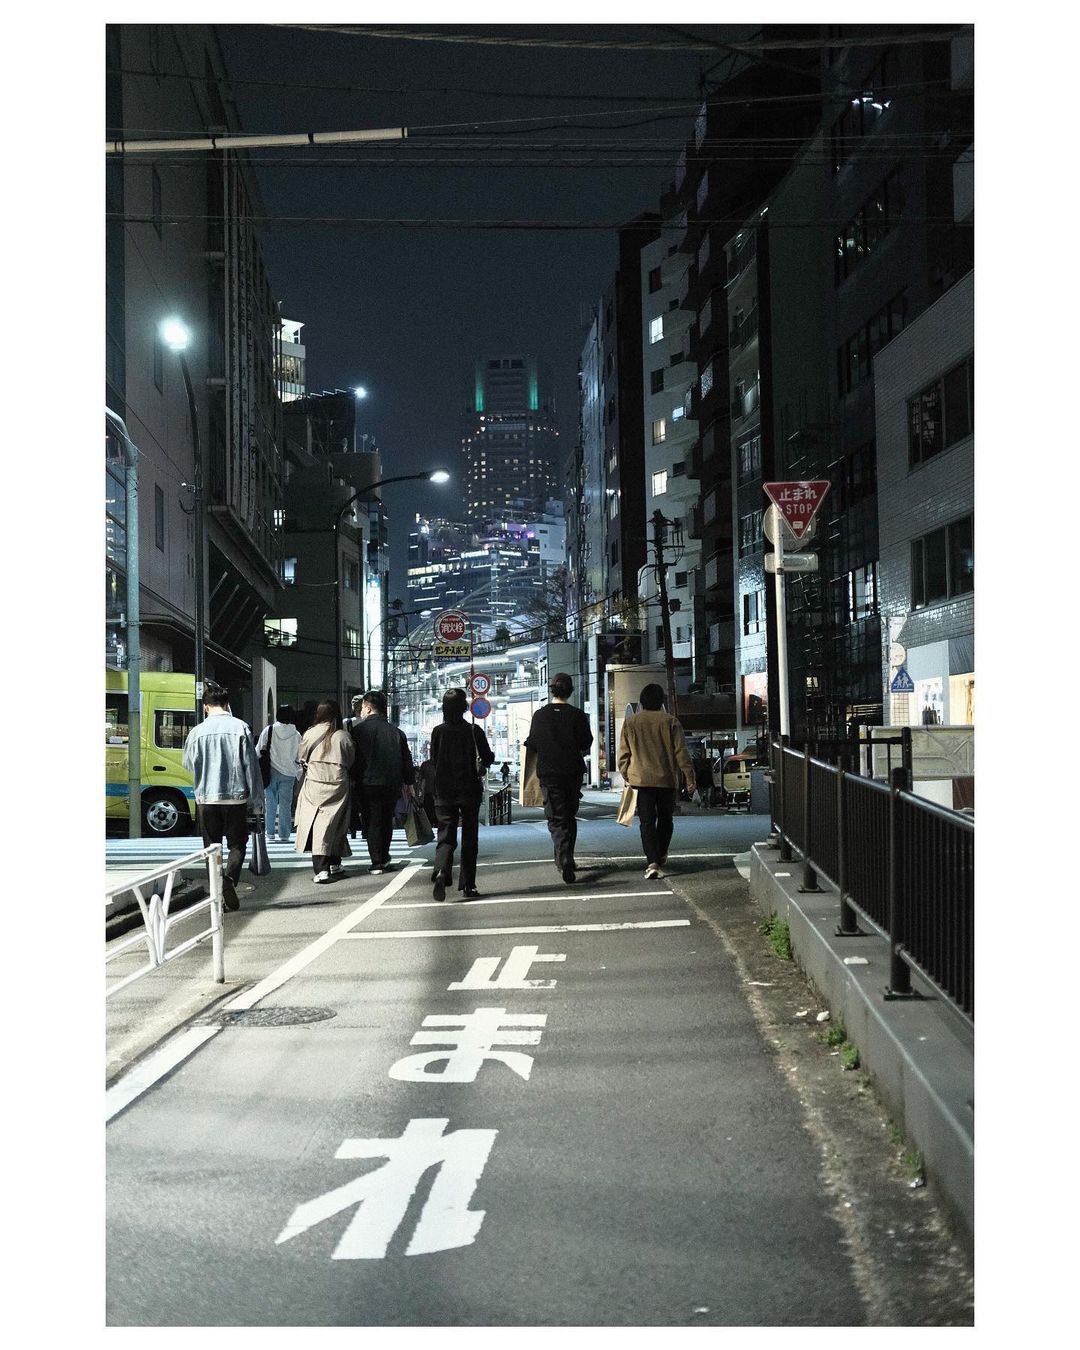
<point x="797" y="502"/>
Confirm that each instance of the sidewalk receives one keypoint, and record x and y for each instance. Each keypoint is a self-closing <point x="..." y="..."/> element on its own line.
<point x="919" y="1053"/>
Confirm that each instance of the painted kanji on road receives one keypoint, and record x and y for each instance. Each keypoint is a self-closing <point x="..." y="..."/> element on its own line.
<point x="471" y="1036"/>
<point x="513" y="974"/>
<point x="382" y="1197"/>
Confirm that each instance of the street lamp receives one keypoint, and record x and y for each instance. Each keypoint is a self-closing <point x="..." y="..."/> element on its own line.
<point x="177" y="337"/>
<point x="428" y="475"/>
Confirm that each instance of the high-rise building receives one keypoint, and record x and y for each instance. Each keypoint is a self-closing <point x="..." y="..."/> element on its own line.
<point x="509" y="440"/>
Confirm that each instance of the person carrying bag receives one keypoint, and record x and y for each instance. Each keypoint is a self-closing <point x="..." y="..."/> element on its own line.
<point x="652" y="755"/>
<point x="460" y="755"/>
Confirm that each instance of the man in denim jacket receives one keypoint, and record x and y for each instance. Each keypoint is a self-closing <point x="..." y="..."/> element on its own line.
<point x="220" y="755"/>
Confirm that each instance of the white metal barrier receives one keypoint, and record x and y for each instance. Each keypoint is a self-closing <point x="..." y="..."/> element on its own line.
<point x="158" y="922"/>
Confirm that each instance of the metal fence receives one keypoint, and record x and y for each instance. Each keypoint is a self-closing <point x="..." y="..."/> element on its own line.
<point x="902" y="864"/>
<point x="499" y="807"/>
<point x="154" y="901"/>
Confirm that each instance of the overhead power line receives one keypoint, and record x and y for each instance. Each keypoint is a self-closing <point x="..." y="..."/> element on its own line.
<point x="372" y="222"/>
<point x="592" y="44"/>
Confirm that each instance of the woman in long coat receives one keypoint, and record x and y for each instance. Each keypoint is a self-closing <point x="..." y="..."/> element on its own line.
<point x="322" y="809"/>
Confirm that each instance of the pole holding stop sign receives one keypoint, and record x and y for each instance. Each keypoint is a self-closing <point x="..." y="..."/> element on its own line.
<point x="797" y="503"/>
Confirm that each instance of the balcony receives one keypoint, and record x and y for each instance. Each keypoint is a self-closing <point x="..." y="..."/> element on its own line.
<point x="680" y="431"/>
<point x="674" y="267"/>
<point x="694" y="523"/>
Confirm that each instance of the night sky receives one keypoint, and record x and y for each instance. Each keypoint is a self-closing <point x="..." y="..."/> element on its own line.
<point x="404" y="311"/>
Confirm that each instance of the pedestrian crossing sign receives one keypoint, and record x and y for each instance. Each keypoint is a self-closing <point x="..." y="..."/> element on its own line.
<point x="902" y="682"/>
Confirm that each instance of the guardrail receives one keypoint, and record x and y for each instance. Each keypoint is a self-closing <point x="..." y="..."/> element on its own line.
<point x="154" y="903"/>
<point x="500" y="807"/>
<point x="903" y="864"/>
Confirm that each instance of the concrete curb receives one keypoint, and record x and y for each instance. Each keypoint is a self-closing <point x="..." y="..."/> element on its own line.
<point x="920" y="1053"/>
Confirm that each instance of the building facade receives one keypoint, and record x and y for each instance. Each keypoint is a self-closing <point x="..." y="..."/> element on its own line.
<point x="509" y="441"/>
<point x="925" y="434"/>
<point x="181" y="241"/>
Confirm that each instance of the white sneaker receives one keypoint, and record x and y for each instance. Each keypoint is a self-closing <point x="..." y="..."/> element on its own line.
<point x="653" y="873"/>
<point x="336" y="869"/>
<point x="321" y="876"/>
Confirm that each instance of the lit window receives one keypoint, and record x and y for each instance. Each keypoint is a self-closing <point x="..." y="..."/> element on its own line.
<point x="288" y="571"/>
<point x="659" y="431"/>
<point x="279" y="632"/>
<point x="656" y="329"/>
<point x="659" y="483"/>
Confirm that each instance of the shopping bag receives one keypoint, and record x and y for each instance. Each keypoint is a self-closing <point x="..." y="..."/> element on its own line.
<point x="417" y="827"/>
<point x="530" y="792"/>
<point x="401" y="809"/>
<point x="627" y="806"/>
<point x="259" y="865"/>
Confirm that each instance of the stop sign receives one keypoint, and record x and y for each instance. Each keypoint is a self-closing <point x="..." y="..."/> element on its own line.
<point x="451" y="626"/>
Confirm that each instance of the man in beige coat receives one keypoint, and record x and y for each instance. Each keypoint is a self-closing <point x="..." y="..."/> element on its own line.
<point x="652" y="754"/>
<point x="322" y="807"/>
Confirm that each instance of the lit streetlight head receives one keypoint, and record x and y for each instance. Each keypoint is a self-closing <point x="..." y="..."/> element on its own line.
<point x="175" y="334"/>
<point x="439" y="476"/>
<point x="360" y="391"/>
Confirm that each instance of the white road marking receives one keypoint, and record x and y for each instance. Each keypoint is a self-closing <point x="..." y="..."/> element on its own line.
<point x="514" y="973"/>
<point x="470" y="1037"/>
<point x="174" y="1052"/>
<point x="540" y="928"/>
<point x="383" y="1196"/>
<point x="598" y="858"/>
<point x="145" y="1075"/>
<point x="320" y="945"/>
<point x="531" y="899"/>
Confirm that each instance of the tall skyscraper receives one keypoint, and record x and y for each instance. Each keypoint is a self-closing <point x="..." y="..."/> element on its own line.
<point x="509" y="442"/>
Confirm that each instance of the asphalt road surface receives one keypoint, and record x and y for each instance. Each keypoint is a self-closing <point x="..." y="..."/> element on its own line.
<point x="551" y="1106"/>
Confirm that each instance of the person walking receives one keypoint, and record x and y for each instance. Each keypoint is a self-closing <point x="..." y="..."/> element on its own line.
<point x="283" y="741"/>
<point x="460" y="756"/>
<point x="505" y="773"/>
<point x="326" y="755"/>
<point x="652" y="754"/>
<point x="382" y="767"/>
<point x="560" y="736"/>
<point x="219" y="753"/>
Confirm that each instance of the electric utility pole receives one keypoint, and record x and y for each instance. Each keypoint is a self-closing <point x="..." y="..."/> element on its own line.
<point x="660" y="526"/>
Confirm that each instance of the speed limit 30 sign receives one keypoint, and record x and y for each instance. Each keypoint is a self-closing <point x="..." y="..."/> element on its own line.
<point x="480" y="685"/>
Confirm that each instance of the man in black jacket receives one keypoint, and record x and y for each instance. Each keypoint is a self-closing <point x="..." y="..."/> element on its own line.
<point x="382" y="766"/>
<point x="561" y="736"/>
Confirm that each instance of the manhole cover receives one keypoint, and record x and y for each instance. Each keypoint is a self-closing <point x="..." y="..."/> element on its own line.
<point x="266" y="1017"/>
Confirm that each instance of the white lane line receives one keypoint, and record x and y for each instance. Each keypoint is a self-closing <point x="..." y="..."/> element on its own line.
<point x="134" y="1084"/>
<point x="145" y="1075"/>
<point x="320" y="945"/>
<point x="529" y="899"/>
<point x="540" y="928"/>
<point x="596" y="858"/>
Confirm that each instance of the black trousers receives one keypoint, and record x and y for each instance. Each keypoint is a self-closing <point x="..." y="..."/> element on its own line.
<point x="450" y="815"/>
<point x="655" y="808"/>
<point x="322" y="862"/>
<point x="561" y="798"/>
<point x="219" y="822"/>
<point x="377" y="812"/>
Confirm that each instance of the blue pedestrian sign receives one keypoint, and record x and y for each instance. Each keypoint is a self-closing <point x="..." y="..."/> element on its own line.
<point x="902" y="682"/>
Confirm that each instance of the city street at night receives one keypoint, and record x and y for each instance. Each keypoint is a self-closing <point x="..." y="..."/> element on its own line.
<point x="613" y="1141"/>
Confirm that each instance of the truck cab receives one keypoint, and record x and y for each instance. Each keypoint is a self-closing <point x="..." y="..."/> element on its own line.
<point x="167" y="708"/>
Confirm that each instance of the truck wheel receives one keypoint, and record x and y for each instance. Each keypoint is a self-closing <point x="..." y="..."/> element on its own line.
<point x="165" y="814"/>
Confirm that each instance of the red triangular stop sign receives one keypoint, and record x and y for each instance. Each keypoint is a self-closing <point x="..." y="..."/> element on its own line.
<point x="798" y="502"/>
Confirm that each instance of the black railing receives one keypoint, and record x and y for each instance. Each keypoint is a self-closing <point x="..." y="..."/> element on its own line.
<point x="901" y="863"/>
<point x="499" y="807"/>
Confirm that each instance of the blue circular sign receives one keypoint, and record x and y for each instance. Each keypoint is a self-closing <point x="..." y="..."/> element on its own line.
<point x="480" y="707"/>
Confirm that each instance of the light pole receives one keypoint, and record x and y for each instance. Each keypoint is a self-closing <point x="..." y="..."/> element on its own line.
<point x="177" y="336"/>
<point x="428" y="475"/>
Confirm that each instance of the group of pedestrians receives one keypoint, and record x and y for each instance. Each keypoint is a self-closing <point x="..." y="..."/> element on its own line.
<point x="337" y="775"/>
